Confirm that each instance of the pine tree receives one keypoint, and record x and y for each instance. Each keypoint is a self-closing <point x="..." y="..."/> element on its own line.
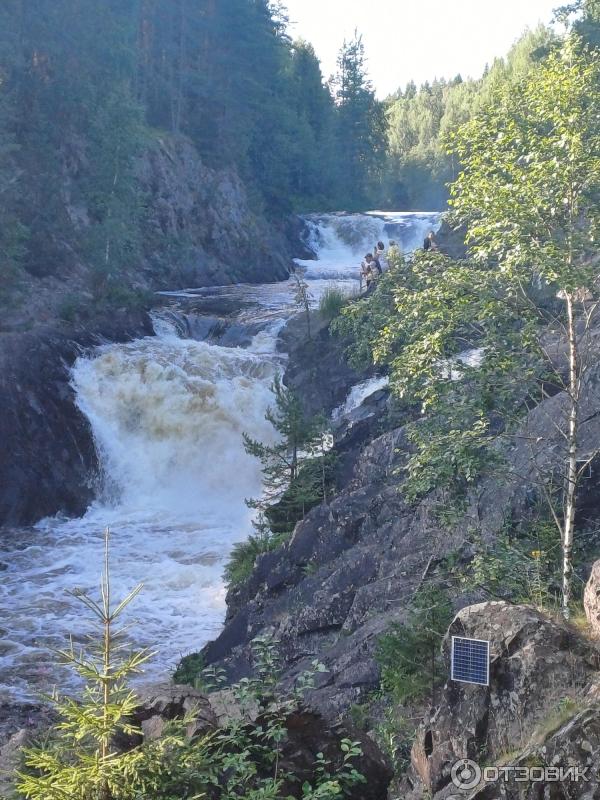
<point x="281" y="461"/>
<point x="360" y="125"/>
<point x="81" y="762"/>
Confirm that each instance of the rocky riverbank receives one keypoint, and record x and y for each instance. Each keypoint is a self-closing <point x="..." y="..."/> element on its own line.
<point x="200" y="230"/>
<point x="48" y="461"/>
<point x="354" y="565"/>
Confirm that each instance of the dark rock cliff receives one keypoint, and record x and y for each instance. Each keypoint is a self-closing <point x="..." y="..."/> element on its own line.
<point x="540" y="709"/>
<point x="214" y="237"/>
<point x="200" y="231"/>
<point x="353" y="565"/>
<point x="47" y="459"/>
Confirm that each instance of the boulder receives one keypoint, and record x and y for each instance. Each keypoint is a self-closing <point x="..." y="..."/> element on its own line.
<point x="10" y="758"/>
<point x="308" y="734"/>
<point x="165" y="702"/>
<point x="535" y="664"/>
<point x="591" y="599"/>
<point x="572" y="746"/>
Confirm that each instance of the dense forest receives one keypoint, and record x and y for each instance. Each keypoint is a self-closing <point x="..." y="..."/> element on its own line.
<point x="79" y="103"/>
<point x="98" y="90"/>
<point x="461" y="497"/>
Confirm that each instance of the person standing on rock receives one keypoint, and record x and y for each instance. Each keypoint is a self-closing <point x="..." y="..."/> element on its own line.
<point x="393" y="252"/>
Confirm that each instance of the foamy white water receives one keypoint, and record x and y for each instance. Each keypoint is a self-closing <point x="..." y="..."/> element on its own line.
<point x="342" y="240"/>
<point x="168" y="415"/>
<point x="358" y="394"/>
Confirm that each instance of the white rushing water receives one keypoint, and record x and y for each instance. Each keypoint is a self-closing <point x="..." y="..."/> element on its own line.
<point x="358" y="394"/>
<point x="342" y="240"/>
<point x="167" y="415"/>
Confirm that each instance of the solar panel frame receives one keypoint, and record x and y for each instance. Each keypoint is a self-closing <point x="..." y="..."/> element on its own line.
<point x="477" y="669"/>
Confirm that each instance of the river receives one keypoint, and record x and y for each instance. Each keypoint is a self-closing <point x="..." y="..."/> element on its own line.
<point x="168" y="413"/>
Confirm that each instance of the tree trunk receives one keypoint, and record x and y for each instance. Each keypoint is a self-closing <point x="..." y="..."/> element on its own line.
<point x="571" y="476"/>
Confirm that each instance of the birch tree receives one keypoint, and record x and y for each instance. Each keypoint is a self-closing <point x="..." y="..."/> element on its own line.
<point x="528" y="194"/>
<point x="474" y="346"/>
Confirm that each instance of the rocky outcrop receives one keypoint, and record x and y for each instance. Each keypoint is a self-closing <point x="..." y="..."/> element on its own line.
<point x="451" y="240"/>
<point x="318" y="369"/>
<point x="48" y="460"/>
<point x="306" y="735"/>
<point x="591" y="599"/>
<point x="349" y="571"/>
<point x="536" y="664"/>
<point x="353" y="566"/>
<point x="163" y="703"/>
<point x="204" y="214"/>
<point x="20" y="726"/>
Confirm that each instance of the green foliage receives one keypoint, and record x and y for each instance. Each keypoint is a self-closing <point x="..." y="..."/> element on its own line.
<point x="522" y="565"/>
<point x="395" y="735"/>
<point x="418" y="121"/>
<point x="297" y="475"/>
<point x="409" y="654"/>
<point x="280" y="462"/>
<point x="303" y="299"/>
<point x="456" y="352"/>
<point x="465" y="340"/>
<point x="80" y="760"/>
<point x="188" y="669"/>
<point x="311" y="486"/>
<point x="111" y="190"/>
<point x="295" y="468"/>
<point x="332" y="301"/>
<point x="528" y="193"/>
<point x="85" y="87"/>
<point x="363" y="320"/>
<point x="244" y="554"/>
<point x="587" y="21"/>
<point x="360" y="125"/>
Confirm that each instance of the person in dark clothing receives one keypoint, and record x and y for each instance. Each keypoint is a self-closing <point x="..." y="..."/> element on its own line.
<point x="430" y="243"/>
<point x="380" y="256"/>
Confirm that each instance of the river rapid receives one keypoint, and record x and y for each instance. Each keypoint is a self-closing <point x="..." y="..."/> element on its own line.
<point x="167" y="414"/>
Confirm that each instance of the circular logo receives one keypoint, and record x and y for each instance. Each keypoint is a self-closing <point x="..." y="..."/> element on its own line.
<point x="465" y="774"/>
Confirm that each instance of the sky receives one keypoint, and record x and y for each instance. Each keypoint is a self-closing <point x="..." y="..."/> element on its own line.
<point x="417" y="39"/>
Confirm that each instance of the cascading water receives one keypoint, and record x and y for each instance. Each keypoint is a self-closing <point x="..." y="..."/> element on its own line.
<point x="342" y="240"/>
<point x="168" y="416"/>
<point x="168" y="413"/>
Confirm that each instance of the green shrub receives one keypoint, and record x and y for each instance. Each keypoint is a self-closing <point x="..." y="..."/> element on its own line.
<point x="522" y="565"/>
<point x="332" y="301"/>
<point x="189" y="669"/>
<point x="69" y="308"/>
<point x="80" y="760"/>
<point x="409" y="655"/>
<point x="244" y="554"/>
<point x="311" y="486"/>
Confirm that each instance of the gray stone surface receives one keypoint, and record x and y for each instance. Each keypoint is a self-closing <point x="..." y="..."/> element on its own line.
<point x="591" y="599"/>
<point x="537" y="666"/>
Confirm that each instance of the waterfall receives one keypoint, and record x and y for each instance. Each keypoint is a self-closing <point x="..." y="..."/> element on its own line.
<point x="167" y="414"/>
<point x="342" y="240"/>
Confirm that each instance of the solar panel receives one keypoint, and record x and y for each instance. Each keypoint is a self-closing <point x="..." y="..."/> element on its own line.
<point x="470" y="661"/>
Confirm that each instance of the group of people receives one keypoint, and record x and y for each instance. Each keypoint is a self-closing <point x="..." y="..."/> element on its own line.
<point x="376" y="263"/>
<point x="373" y="265"/>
